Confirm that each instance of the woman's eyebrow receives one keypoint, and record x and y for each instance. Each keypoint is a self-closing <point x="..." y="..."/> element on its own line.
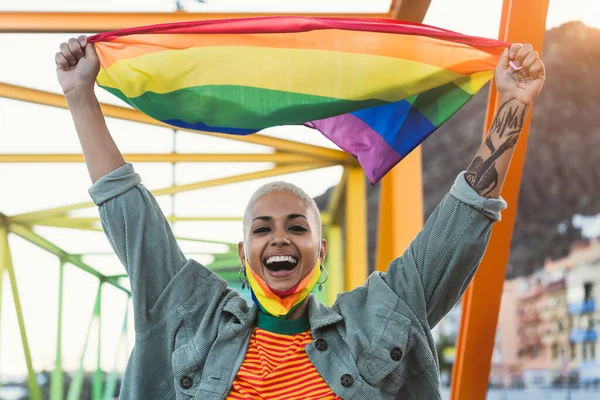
<point x="294" y="216"/>
<point x="268" y="218"/>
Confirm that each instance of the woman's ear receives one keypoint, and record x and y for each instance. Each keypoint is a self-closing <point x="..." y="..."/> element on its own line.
<point x="323" y="250"/>
<point x="241" y="253"/>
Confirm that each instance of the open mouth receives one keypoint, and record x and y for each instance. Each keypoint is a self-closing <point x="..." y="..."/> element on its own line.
<point x="281" y="266"/>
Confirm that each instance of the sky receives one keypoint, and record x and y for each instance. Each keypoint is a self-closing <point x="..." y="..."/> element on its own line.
<point x="27" y="128"/>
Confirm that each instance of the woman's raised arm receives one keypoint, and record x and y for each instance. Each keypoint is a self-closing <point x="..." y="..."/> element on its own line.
<point x="77" y="66"/>
<point x="132" y="220"/>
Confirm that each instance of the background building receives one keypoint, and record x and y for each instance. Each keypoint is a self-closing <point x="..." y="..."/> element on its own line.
<point x="506" y="367"/>
<point x="583" y="296"/>
<point x="548" y="324"/>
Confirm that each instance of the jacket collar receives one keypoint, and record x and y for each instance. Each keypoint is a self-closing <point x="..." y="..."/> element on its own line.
<point x="319" y="315"/>
<point x="239" y="308"/>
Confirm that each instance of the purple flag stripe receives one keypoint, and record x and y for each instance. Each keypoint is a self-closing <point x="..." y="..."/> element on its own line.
<point x="353" y="135"/>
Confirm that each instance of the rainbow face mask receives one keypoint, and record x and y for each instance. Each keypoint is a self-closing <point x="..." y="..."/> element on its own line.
<point x="280" y="304"/>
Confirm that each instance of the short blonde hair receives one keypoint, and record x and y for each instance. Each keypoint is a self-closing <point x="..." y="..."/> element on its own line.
<point x="281" y="186"/>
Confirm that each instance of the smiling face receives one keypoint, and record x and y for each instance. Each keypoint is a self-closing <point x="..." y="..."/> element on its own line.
<point x="282" y="239"/>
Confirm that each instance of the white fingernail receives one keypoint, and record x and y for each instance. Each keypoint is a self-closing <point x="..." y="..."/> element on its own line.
<point x="513" y="66"/>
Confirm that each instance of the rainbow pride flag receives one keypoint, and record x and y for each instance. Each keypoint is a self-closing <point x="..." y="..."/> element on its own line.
<point x="376" y="88"/>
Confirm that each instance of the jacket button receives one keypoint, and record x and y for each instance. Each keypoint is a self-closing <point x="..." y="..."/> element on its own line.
<point x="396" y="354"/>
<point x="347" y="380"/>
<point x="186" y="382"/>
<point x="321" y="344"/>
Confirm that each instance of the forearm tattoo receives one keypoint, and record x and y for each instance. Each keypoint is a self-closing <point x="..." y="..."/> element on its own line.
<point x="504" y="132"/>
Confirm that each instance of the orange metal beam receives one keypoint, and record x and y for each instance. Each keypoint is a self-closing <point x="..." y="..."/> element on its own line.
<point x="335" y="205"/>
<point x="409" y="10"/>
<point x="401" y="196"/>
<point x="356" y="261"/>
<point x="400" y="209"/>
<point x="92" y="22"/>
<point x="522" y="21"/>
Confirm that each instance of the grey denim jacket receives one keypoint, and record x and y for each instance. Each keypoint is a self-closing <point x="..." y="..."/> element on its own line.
<point x="192" y="331"/>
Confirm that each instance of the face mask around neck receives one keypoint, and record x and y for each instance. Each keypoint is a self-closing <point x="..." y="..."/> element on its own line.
<point x="278" y="303"/>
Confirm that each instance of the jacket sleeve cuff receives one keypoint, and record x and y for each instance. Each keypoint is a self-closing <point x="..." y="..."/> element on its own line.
<point x="114" y="184"/>
<point x="462" y="191"/>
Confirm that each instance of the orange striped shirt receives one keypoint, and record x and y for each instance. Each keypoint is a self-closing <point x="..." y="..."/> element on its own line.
<point x="276" y="366"/>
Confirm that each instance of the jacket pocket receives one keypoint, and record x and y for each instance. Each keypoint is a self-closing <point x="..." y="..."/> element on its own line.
<point x="384" y="363"/>
<point x="186" y="372"/>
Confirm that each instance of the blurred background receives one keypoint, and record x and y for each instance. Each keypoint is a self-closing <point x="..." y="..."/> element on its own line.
<point x="547" y="336"/>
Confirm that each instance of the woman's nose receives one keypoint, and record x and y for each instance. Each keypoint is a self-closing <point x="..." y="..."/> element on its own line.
<point x="279" y="238"/>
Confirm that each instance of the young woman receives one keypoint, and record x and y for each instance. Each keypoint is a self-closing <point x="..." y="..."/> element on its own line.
<point x="195" y="338"/>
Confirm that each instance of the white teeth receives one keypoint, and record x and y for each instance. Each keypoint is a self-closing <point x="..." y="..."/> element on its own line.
<point x="273" y="259"/>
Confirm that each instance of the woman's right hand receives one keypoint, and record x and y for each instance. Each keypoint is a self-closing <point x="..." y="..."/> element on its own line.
<point x="77" y="65"/>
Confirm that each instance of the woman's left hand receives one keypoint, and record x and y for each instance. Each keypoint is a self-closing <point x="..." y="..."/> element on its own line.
<point x="523" y="80"/>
